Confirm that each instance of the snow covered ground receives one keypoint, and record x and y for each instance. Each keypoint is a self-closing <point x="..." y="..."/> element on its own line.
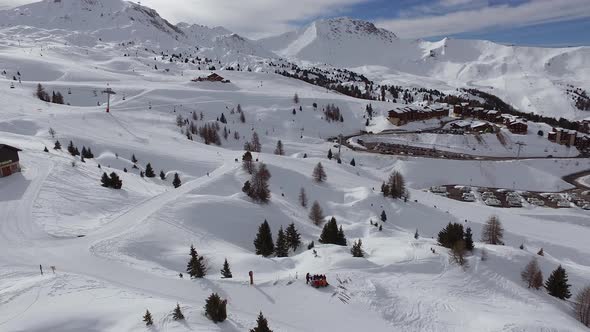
<point x="118" y="253"/>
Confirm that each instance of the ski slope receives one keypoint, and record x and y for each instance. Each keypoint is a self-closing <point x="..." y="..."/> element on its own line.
<point x="120" y="252"/>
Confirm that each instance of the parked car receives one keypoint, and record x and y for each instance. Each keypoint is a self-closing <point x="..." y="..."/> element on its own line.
<point x="493" y="202"/>
<point x="468" y="197"/>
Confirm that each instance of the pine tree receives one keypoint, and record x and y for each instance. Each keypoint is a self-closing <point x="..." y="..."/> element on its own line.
<point x="242" y="117"/>
<point x="340" y="237"/>
<point x="115" y="181"/>
<point x="247" y="163"/>
<point x="302" y="198"/>
<point x="149" y="171"/>
<point x="147" y="318"/>
<point x="385" y="190"/>
<point x="225" y="271"/>
<point x="196" y="267"/>
<point x="176" y="182"/>
<point x="45" y="150"/>
<point x="263" y="242"/>
<point x="261" y="324"/>
<point x="319" y="175"/>
<point x="279" y="149"/>
<point x="296" y="99"/>
<point x="416" y="235"/>
<point x="531" y="275"/>
<point x="468" y="239"/>
<point x="316" y="214"/>
<point x="133" y="159"/>
<point x="330" y="154"/>
<point x="383" y="216"/>
<point x="255" y="143"/>
<point x="177" y="313"/>
<point x="52" y="132"/>
<point x="357" y="249"/>
<point x="541" y="252"/>
<point x="162" y="175"/>
<point x="215" y="308"/>
<point x="557" y="284"/>
<point x="105" y="180"/>
<point x="259" y="190"/>
<point x="282" y="246"/>
<point x="493" y="232"/>
<point x="222" y="119"/>
<point x="293" y="237"/>
<point x="396" y="186"/>
<point x="352" y="162"/>
<point x="72" y="148"/>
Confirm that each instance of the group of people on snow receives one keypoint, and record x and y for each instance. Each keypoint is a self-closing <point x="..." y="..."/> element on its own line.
<point x="316" y="280"/>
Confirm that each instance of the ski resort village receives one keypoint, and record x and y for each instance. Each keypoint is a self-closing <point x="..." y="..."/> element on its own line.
<point x="176" y="177"/>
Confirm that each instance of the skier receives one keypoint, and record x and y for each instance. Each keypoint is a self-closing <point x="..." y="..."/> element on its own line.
<point x="41" y="268"/>
<point x="307" y="278"/>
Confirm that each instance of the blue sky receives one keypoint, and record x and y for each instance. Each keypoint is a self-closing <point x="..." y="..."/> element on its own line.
<point x="550" y="28"/>
<point x="522" y="22"/>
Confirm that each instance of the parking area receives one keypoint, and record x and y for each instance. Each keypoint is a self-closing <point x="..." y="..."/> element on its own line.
<point x="505" y="198"/>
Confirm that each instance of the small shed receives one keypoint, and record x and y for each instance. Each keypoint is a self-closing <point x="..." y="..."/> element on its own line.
<point x="9" y="160"/>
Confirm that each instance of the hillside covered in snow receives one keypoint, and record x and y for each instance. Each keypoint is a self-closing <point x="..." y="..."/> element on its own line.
<point x="98" y="219"/>
<point x="530" y="79"/>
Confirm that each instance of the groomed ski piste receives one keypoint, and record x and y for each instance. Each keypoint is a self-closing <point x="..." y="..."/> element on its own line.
<point x="120" y="252"/>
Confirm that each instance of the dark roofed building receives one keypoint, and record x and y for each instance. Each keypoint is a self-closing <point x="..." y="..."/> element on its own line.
<point x="211" y="78"/>
<point x="9" y="161"/>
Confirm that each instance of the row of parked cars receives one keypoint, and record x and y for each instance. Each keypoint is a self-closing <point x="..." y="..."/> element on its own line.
<point x="515" y="199"/>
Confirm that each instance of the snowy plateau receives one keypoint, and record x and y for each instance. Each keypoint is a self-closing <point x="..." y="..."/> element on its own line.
<point x="109" y="254"/>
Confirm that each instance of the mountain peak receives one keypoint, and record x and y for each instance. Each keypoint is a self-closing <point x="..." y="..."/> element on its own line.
<point x="336" y="28"/>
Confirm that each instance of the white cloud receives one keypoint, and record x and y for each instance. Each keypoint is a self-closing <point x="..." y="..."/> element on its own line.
<point x="486" y="17"/>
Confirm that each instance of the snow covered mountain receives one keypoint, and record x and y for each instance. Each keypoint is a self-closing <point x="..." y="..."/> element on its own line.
<point x="120" y="252"/>
<point x="532" y="79"/>
<point x="342" y="42"/>
<point x="92" y="21"/>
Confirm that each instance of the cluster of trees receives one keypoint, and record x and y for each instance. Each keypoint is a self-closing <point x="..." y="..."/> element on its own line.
<point x="332" y="113"/>
<point x="56" y="97"/>
<point x="556" y="285"/>
<point x="113" y="181"/>
<point x="332" y="234"/>
<point x="286" y="240"/>
<point x="395" y="187"/>
<point x="73" y="150"/>
<point x="257" y="187"/>
<point x="459" y="241"/>
<point x="209" y="132"/>
<point x="254" y="144"/>
<point x="330" y="79"/>
<point x="215" y="310"/>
